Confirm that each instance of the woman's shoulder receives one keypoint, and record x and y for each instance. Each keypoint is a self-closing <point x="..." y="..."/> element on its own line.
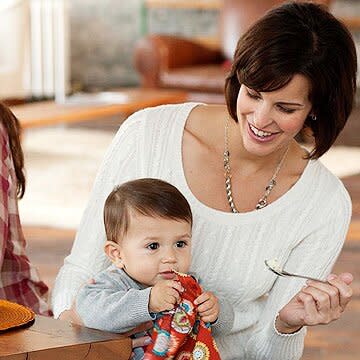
<point x="161" y="112"/>
<point x="204" y="117"/>
<point x="329" y="185"/>
<point x="205" y="123"/>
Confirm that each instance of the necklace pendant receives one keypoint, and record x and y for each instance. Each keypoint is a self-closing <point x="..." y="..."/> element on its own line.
<point x="227" y="175"/>
<point x="271" y="184"/>
<point x="261" y="204"/>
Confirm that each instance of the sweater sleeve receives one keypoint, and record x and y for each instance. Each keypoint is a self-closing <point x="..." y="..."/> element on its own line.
<point x="87" y="257"/>
<point x="110" y="305"/>
<point x="314" y="255"/>
<point x="224" y="324"/>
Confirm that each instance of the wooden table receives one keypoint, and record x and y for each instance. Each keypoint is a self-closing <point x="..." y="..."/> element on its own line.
<point x="50" y="113"/>
<point x="50" y="339"/>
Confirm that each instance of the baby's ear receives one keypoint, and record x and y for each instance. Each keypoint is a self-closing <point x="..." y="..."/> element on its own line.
<point x="112" y="250"/>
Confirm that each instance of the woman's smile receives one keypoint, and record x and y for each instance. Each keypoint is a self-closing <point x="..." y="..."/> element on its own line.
<point x="261" y="135"/>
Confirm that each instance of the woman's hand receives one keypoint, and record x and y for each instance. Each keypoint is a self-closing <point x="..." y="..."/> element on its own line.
<point x="71" y="316"/>
<point x="208" y="306"/>
<point x="143" y="340"/>
<point x="317" y="303"/>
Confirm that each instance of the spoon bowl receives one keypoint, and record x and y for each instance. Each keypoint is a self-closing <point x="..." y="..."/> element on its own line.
<point x="274" y="266"/>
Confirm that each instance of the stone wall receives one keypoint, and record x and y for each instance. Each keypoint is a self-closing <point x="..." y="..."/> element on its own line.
<point x="102" y="37"/>
<point x="104" y="33"/>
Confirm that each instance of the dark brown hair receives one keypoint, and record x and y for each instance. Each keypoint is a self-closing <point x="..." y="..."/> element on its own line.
<point x="299" y="38"/>
<point x="12" y="126"/>
<point x="150" y="197"/>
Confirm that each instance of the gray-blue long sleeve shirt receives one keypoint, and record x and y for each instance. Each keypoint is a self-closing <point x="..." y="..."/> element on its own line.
<point x="117" y="303"/>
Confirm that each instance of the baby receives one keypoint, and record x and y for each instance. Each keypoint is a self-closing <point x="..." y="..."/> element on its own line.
<point x="148" y="229"/>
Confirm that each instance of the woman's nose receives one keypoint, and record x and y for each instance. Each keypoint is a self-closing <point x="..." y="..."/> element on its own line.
<point x="262" y="116"/>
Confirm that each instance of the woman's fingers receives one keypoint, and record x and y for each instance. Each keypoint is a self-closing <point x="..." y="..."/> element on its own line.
<point x="346" y="277"/>
<point x="71" y="316"/>
<point x="325" y="313"/>
<point x="327" y="290"/>
<point x="141" y="341"/>
<point x="311" y="313"/>
<point x="343" y="286"/>
<point x="324" y="302"/>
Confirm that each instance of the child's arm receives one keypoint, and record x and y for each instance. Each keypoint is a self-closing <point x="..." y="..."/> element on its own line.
<point x="113" y="303"/>
<point x="217" y="311"/>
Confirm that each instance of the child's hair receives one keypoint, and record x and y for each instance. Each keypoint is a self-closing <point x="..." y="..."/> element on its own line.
<point x="150" y="197"/>
<point x="12" y="126"/>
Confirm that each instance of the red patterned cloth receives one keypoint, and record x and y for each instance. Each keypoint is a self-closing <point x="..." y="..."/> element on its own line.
<point x="19" y="281"/>
<point x="180" y="334"/>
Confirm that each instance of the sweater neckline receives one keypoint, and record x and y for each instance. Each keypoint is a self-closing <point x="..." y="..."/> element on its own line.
<point x="294" y="194"/>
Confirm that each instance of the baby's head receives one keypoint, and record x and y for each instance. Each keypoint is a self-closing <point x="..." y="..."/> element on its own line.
<point x="148" y="230"/>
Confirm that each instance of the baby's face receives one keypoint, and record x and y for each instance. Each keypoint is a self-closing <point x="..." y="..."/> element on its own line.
<point x="154" y="246"/>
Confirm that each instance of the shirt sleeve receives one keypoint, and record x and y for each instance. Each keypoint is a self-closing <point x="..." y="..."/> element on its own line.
<point x="224" y="324"/>
<point x="19" y="280"/>
<point x="87" y="256"/>
<point x="315" y="256"/>
<point x="110" y="305"/>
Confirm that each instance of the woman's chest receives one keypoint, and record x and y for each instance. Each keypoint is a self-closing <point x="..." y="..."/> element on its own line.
<point x="205" y="175"/>
<point x="229" y="260"/>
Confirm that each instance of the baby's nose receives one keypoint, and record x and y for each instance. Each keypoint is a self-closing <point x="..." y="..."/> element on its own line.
<point x="169" y="257"/>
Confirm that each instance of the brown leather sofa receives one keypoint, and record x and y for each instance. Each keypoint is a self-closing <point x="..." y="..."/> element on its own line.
<point x="172" y="62"/>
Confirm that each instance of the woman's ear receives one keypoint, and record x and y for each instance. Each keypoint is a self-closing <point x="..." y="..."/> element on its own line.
<point x="113" y="252"/>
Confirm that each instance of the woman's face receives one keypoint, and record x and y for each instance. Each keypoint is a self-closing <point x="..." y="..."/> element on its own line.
<point x="269" y="120"/>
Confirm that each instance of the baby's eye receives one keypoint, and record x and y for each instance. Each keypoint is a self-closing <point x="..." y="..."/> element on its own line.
<point x="153" y="246"/>
<point x="181" y="244"/>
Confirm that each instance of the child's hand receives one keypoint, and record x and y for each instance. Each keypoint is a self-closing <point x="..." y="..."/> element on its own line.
<point x="208" y="306"/>
<point x="164" y="295"/>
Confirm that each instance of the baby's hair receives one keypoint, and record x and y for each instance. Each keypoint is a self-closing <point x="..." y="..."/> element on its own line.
<point x="149" y="197"/>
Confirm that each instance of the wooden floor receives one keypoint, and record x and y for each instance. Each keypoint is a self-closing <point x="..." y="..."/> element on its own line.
<point x="339" y="340"/>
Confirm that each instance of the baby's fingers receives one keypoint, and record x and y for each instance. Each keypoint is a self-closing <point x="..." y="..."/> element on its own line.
<point x="205" y="306"/>
<point x="202" y="298"/>
<point x="175" y="285"/>
<point x="173" y="296"/>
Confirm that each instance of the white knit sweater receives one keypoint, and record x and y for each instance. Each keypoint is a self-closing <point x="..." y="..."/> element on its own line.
<point x="304" y="229"/>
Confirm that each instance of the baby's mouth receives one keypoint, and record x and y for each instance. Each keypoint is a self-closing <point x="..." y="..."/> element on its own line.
<point x="168" y="274"/>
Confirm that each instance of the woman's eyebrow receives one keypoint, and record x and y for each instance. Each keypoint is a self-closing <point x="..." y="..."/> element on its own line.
<point x="290" y="103"/>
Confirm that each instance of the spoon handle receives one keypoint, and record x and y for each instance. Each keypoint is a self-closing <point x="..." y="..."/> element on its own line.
<point x="285" y="273"/>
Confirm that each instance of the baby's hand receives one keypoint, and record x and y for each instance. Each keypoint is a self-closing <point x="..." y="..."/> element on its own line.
<point x="164" y="295"/>
<point x="208" y="306"/>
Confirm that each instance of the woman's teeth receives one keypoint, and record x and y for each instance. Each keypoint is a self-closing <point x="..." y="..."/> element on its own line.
<point x="259" y="133"/>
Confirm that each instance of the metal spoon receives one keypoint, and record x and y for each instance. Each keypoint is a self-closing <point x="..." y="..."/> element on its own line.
<point x="278" y="270"/>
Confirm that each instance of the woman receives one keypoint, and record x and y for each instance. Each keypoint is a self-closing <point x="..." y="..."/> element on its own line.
<point x="294" y="68"/>
<point x="19" y="281"/>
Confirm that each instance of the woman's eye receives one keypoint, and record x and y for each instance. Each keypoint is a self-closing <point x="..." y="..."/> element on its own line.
<point x="285" y="109"/>
<point x="181" y="244"/>
<point x="253" y="95"/>
<point x="153" y="246"/>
